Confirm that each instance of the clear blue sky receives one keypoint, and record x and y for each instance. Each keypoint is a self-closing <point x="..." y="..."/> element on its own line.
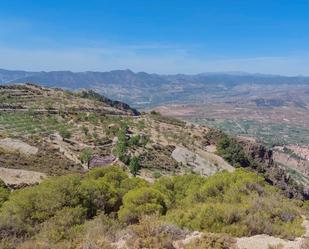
<point x="164" y="36"/>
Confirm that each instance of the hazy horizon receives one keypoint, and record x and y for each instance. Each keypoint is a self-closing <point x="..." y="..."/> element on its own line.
<point x="165" y="37"/>
<point x="238" y="73"/>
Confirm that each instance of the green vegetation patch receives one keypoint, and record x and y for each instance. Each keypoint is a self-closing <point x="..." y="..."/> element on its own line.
<point x="30" y="123"/>
<point x="60" y="209"/>
<point x="239" y="203"/>
<point x="267" y="132"/>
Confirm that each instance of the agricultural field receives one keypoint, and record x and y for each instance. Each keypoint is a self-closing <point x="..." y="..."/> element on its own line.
<point x="16" y="123"/>
<point x="268" y="133"/>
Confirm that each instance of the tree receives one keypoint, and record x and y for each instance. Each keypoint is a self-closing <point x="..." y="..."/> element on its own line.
<point x="230" y="150"/>
<point x="134" y="165"/>
<point x="121" y="147"/>
<point x="86" y="155"/>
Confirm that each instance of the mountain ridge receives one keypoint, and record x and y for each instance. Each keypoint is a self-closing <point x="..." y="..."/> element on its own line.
<point x="114" y="76"/>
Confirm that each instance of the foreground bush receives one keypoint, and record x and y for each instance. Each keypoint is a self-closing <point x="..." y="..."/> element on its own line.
<point x="65" y="224"/>
<point x="212" y="241"/>
<point x="31" y="206"/>
<point x="239" y="203"/>
<point x="99" y="191"/>
<point x="153" y="234"/>
<point x="88" y="211"/>
<point x="139" y="202"/>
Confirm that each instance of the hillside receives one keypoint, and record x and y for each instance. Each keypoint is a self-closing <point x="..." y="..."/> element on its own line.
<point x="273" y="109"/>
<point x="83" y="165"/>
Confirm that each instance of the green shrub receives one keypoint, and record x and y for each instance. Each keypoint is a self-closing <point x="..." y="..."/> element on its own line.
<point x="134" y="140"/>
<point x="238" y="203"/>
<point x="98" y="195"/>
<point x="4" y="193"/>
<point x="156" y="174"/>
<point x="121" y="147"/>
<point x="133" y="183"/>
<point x="114" y="175"/>
<point x="139" y="202"/>
<point x="134" y="165"/>
<point x="31" y="206"/>
<point x="64" y="132"/>
<point x="151" y="233"/>
<point x="86" y="155"/>
<point x="65" y="224"/>
<point x="229" y="149"/>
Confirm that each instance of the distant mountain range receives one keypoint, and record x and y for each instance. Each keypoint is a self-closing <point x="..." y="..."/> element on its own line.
<point x="147" y="89"/>
<point x="127" y="77"/>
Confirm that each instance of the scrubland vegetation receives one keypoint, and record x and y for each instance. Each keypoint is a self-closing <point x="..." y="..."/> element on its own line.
<point x="73" y="210"/>
<point x="107" y="206"/>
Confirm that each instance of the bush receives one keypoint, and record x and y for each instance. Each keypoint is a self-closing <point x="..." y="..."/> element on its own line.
<point x="134" y="165"/>
<point x="212" y="241"/>
<point x="86" y="155"/>
<point x="64" y="132"/>
<point x="139" y="202"/>
<point x="133" y="183"/>
<point x="120" y="149"/>
<point x="98" y="195"/>
<point x="4" y="193"/>
<point x="65" y="224"/>
<point x="30" y="206"/>
<point x="229" y="149"/>
<point x="151" y="233"/>
<point x="156" y="175"/>
<point x="134" y="140"/>
<point x="238" y="203"/>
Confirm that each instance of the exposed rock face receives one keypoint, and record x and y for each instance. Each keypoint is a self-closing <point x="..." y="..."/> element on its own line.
<point x="262" y="161"/>
<point x="17" y="178"/>
<point x="264" y="241"/>
<point x="274" y="174"/>
<point x="18" y="145"/>
<point x="198" y="164"/>
<point x="99" y="161"/>
<point x="113" y="103"/>
<point x="258" y="152"/>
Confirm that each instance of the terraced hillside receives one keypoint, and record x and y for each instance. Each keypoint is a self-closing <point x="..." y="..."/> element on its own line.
<point x="77" y="131"/>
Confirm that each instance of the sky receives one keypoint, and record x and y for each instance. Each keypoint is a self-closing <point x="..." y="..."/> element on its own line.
<point x="162" y="36"/>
